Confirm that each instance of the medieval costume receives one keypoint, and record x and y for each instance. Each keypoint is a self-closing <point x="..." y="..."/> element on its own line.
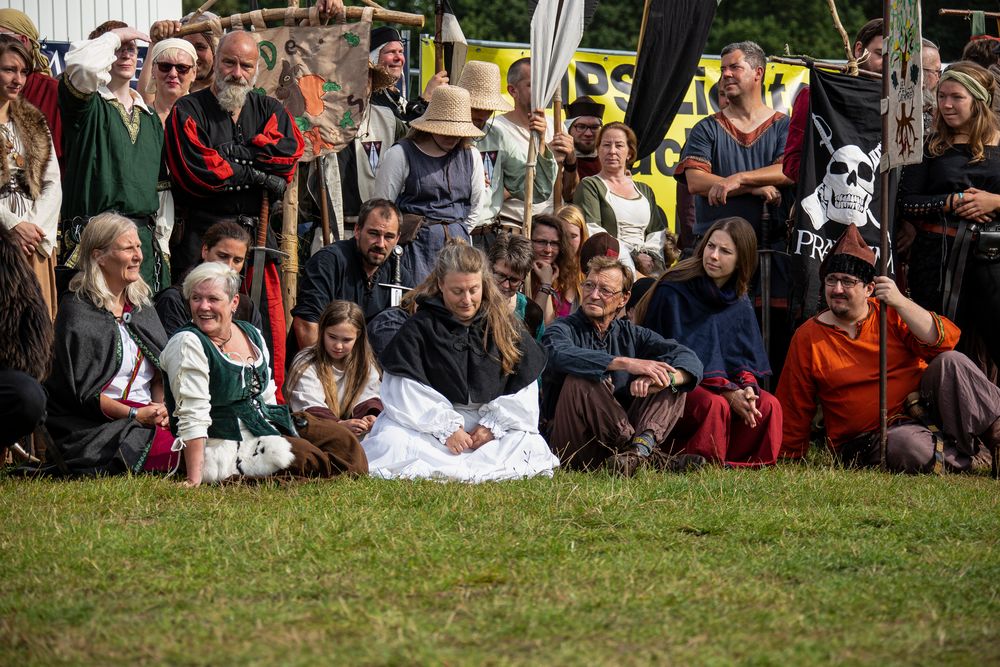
<point x="628" y="220"/>
<point x="592" y="414"/>
<point x="444" y="193"/>
<point x="214" y="180"/>
<point x="30" y="188"/>
<point x="840" y="373"/>
<point x="232" y="405"/>
<point x="96" y="354"/>
<point x="950" y="271"/>
<point x="115" y="154"/>
<point x="438" y="378"/>
<point x="514" y="141"/>
<point x="721" y="328"/>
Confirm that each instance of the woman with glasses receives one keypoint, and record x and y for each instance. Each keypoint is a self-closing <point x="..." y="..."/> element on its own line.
<point x="625" y="208"/>
<point x="952" y="198"/>
<point x="511" y="259"/>
<point x="555" y="276"/>
<point x="167" y="75"/>
<point x="459" y="385"/>
<point x="702" y="302"/>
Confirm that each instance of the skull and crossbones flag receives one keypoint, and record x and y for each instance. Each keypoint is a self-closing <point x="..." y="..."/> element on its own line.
<point x="839" y="179"/>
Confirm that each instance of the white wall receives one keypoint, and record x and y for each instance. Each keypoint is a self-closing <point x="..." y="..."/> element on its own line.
<point x="69" y="20"/>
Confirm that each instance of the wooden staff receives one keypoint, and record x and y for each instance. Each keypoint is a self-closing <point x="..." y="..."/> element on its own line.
<point x="966" y="12"/>
<point x="883" y="323"/>
<point x="438" y="29"/>
<point x="852" y="61"/>
<point x="557" y="126"/>
<point x="290" y="246"/>
<point x="279" y="14"/>
<point x="324" y="205"/>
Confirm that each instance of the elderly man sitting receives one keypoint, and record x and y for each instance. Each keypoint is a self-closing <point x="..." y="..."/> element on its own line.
<point x="833" y="361"/>
<point x="613" y="390"/>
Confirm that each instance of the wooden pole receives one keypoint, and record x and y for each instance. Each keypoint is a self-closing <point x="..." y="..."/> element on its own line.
<point x="529" y="180"/>
<point x="852" y="62"/>
<point x="290" y="246"/>
<point x="557" y="125"/>
<point x="438" y="29"/>
<point x="824" y="65"/>
<point x="883" y="326"/>
<point x="966" y="12"/>
<point x="278" y="14"/>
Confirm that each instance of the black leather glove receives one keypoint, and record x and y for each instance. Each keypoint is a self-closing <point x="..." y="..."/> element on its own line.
<point x="275" y="185"/>
<point x="238" y="153"/>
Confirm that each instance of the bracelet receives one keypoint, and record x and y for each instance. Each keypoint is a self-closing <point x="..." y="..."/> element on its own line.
<point x="132" y="413"/>
<point x="569" y="167"/>
<point x="673" y="382"/>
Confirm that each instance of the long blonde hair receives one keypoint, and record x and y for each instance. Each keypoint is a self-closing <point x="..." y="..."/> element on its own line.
<point x="96" y="241"/>
<point x="983" y="126"/>
<point x="572" y="214"/>
<point x="457" y="257"/>
<point x="357" y="367"/>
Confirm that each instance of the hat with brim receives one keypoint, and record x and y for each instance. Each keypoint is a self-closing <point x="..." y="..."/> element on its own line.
<point x="482" y="80"/>
<point x="448" y="114"/>
<point x="584" y="107"/>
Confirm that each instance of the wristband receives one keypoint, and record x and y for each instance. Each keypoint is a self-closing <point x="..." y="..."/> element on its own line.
<point x="673" y="382"/>
<point x="569" y="167"/>
<point x="132" y="413"/>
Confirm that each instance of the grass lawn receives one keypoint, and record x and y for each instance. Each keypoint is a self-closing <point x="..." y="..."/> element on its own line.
<point x="788" y="566"/>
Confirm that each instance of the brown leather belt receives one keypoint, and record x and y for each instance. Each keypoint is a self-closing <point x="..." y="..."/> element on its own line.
<point x="931" y="228"/>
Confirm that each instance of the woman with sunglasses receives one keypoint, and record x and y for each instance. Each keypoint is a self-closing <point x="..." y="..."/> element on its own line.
<point x="166" y="77"/>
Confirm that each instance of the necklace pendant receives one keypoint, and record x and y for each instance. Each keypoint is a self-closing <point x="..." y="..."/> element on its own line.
<point x="19" y="160"/>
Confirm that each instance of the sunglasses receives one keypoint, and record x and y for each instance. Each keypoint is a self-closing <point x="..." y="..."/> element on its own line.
<point x="166" y="67"/>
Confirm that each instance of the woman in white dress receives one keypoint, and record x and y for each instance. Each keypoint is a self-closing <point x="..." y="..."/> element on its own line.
<point x="459" y="385"/>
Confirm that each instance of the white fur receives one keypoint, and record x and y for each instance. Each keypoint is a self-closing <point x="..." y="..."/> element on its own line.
<point x="258" y="457"/>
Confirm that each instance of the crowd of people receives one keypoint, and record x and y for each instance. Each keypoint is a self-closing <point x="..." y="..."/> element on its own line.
<point x="446" y="337"/>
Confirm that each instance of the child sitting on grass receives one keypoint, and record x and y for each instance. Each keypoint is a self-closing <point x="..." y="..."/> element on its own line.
<point x="338" y="376"/>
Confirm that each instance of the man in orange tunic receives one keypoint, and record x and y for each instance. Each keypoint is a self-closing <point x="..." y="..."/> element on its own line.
<point x="833" y="362"/>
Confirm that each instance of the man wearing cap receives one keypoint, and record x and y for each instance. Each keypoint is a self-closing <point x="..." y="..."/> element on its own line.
<point x="584" y="118"/>
<point x="833" y="362"/>
<point x="387" y="51"/>
<point x="40" y="89"/>
<point x="612" y="391"/>
<point x="518" y="124"/>
<point x="498" y="150"/>
<point x="113" y="141"/>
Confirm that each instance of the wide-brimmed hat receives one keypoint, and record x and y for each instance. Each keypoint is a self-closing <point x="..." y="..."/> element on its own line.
<point x="482" y="80"/>
<point x="449" y="113"/>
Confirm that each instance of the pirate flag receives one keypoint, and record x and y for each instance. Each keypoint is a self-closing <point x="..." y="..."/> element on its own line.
<point x="839" y="180"/>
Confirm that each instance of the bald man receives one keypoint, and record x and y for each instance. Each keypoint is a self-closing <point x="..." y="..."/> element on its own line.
<point x="226" y="146"/>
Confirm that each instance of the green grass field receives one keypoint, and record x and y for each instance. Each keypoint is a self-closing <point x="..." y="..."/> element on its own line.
<point x="788" y="566"/>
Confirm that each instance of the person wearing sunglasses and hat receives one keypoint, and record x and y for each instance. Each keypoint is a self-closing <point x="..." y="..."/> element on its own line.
<point x="436" y="178"/>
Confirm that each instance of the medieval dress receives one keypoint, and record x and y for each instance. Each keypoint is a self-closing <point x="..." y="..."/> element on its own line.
<point x="95" y="354"/>
<point x="721" y="328"/>
<point x="438" y="378"/>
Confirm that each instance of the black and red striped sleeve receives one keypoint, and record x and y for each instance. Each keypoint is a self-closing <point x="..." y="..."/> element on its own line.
<point x="279" y="144"/>
<point x="196" y="167"/>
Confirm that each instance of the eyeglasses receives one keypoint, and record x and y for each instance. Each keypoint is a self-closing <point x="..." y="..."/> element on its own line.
<point x="929" y="71"/>
<point x="583" y="129"/>
<point x="511" y="281"/>
<point x="127" y="50"/>
<point x="847" y="283"/>
<point x="542" y="243"/>
<point x="166" y="67"/>
<point x="588" y="287"/>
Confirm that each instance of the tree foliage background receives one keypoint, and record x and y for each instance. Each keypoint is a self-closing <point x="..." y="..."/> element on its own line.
<point x="804" y="25"/>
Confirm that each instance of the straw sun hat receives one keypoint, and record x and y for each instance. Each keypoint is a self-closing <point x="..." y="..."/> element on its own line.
<point x="482" y="80"/>
<point x="448" y="114"/>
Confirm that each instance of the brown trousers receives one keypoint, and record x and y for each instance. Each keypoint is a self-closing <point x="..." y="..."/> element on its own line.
<point x="324" y="448"/>
<point x="590" y="425"/>
<point x="963" y="402"/>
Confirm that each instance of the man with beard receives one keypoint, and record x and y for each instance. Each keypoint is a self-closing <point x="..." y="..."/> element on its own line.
<point x="355" y="269"/>
<point x="226" y="148"/>
<point x="113" y="142"/>
<point x="387" y="51"/>
<point x="833" y="361"/>
<point x="584" y="118"/>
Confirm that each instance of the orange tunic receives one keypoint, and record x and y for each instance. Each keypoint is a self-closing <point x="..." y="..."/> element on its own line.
<point x="825" y="366"/>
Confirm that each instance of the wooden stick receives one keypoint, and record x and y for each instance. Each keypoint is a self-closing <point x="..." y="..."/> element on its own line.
<point x="290" y="245"/>
<point x="557" y="125"/>
<point x="438" y="27"/>
<point x="966" y="12"/>
<point x="823" y="64"/>
<point x="383" y="15"/>
<point x="852" y="61"/>
<point x="204" y="8"/>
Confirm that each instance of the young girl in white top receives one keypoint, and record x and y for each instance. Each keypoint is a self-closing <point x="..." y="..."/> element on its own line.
<point x="338" y="376"/>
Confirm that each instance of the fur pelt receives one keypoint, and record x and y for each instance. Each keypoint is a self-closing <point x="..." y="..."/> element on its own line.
<point x="25" y="328"/>
<point x="33" y="130"/>
<point x="254" y="457"/>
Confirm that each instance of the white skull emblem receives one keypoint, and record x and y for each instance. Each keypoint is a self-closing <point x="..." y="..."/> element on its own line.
<point x="846" y="191"/>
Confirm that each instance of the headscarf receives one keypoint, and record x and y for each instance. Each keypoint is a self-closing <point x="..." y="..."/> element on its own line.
<point x="157" y="50"/>
<point x="19" y="22"/>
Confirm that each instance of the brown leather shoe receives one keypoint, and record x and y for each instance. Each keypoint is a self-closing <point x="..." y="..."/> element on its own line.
<point x="680" y="463"/>
<point x="626" y="463"/>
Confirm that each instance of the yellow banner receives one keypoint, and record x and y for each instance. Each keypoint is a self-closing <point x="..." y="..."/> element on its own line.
<point x="608" y="79"/>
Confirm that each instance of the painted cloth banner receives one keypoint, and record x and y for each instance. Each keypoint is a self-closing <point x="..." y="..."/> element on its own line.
<point x="320" y="74"/>
<point x="839" y="179"/>
<point x="607" y="77"/>
<point x="906" y="81"/>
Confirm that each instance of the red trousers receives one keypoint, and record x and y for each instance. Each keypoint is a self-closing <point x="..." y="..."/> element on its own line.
<point x="709" y="428"/>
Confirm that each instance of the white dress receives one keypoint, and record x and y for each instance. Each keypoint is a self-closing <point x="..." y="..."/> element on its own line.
<point x="407" y="440"/>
